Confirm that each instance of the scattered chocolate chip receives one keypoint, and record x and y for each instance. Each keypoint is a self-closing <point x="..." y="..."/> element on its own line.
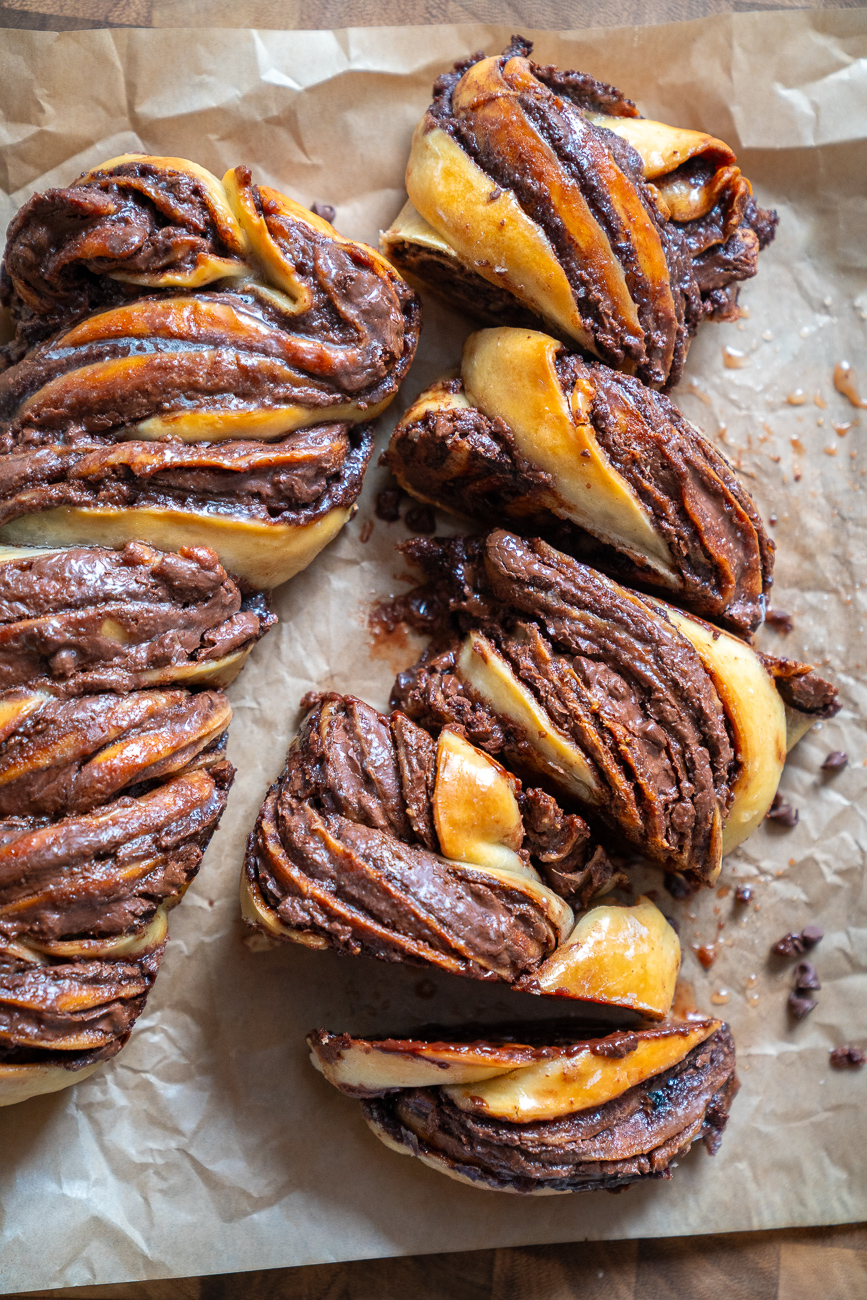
<point x="782" y="812"/>
<point x="323" y="210"/>
<point x="676" y="885"/>
<point x="811" y="934"/>
<point x="780" y="621"/>
<point x="806" y="977"/>
<point x="421" y="519"/>
<point x="387" y="505"/>
<point x="800" y="1007"/>
<point x="789" y="946"/>
<point x="494" y="194"/>
<point x="743" y="893"/>
<point x="366" y="531"/>
<point x="615" y="1047"/>
<point x="847" y="1058"/>
<point x="836" y="761"/>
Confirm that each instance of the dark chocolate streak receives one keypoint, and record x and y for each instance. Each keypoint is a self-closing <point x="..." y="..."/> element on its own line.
<point x="469" y="463"/>
<point x="345" y="849"/>
<point x="234" y="347"/>
<point x="95" y="875"/>
<point x="555" y="105"/>
<point x="92" y="619"/>
<point x="634" y="1137"/>
<point x="619" y="680"/>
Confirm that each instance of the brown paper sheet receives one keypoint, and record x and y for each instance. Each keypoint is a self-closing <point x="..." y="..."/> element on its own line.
<point x="209" y="1144"/>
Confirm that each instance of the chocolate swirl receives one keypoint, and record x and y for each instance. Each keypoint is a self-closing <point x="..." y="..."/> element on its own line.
<point x="552" y="195"/>
<point x="116" y="801"/>
<point x="667" y="731"/>
<point x="84" y="619"/>
<point x="604" y="467"/>
<point x="176" y="336"/>
<point x="349" y="852"/>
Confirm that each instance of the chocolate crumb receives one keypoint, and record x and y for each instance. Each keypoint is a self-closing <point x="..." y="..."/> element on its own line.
<point x="790" y="945"/>
<point x="494" y="194"/>
<point x="836" y="761"/>
<point x="323" y="210"/>
<point x="811" y="934"/>
<point x="676" y="885"/>
<point x="806" y="977"/>
<point x="847" y="1058"/>
<point x="800" y="1007"/>
<point x="387" y="505"/>
<point x="780" y="620"/>
<point x="421" y="519"/>
<point x="743" y="893"/>
<point x="366" y="531"/>
<point x="782" y="812"/>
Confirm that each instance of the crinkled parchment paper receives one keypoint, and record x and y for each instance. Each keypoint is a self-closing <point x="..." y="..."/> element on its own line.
<point x="210" y="1145"/>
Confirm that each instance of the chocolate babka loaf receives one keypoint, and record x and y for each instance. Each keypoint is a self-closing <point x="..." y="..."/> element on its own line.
<point x="550" y="1109"/>
<point x="381" y="842"/>
<point x="539" y="193"/>
<point x="107" y="803"/>
<point x="667" y="731"/>
<point x="601" y="465"/>
<point x="191" y="364"/>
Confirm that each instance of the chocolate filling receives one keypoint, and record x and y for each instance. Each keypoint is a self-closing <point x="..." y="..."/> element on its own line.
<point x="554" y="106"/>
<point x="470" y="464"/>
<point x="103" y="873"/>
<point x="345" y="848"/>
<point x="629" y="1139"/>
<point x="93" y="619"/>
<point x="613" y="676"/>
<point x="36" y="1024"/>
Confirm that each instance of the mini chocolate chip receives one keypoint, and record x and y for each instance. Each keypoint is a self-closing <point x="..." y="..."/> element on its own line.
<point x="811" y="934"/>
<point x="676" y="885"/>
<point x="494" y="194"/>
<point x="847" y="1058"/>
<point x="421" y="519"/>
<point x="743" y="893"/>
<point x="782" y="812"/>
<point x="387" y="505"/>
<point x="836" y="761"/>
<point x="806" y="977"/>
<point x="780" y="621"/>
<point x="789" y="946"/>
<point x="800" y="1007"/>
<point x="324" y="210"/>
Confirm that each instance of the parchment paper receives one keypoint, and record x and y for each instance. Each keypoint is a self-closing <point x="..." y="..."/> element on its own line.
<point x="209" y="1144"/>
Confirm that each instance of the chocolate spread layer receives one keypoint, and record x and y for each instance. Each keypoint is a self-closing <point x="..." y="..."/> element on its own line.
<point x="92" y="619"/>
<point x="555" y="106"/>
<point x="69" y="1014"/>
<point x="346" y="849"/>
<point x="65" y="756"/>
<point x="294" y="481"/>
<point x="614" y="677"/>
<point x="356" y="334"/>
<point x="632" y="1138"/>
<point x="103" y="873"/>
<point x="470" y="463"/>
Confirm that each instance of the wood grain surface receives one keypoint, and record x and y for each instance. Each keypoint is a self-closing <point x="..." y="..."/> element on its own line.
<point x="804" y="1264"/>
